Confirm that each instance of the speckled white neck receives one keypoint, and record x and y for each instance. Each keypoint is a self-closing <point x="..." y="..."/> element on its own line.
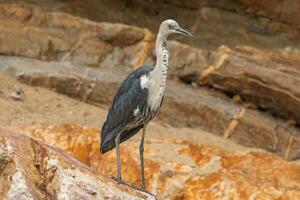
<point x="157" y="78"/>
<point x="162" y="56"/>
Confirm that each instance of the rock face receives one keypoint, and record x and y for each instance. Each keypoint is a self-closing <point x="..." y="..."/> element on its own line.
<point x="68" y="44"/>
<point x="182" y="170"/>
<point x="286" y="11"/>
<point x="270" y="79"/>
<point x="87" y="60"/>
<point x="264" y="24"/>
<point x="30" y="169"/>
<point x="32" y="32"/>
<point x="244" y="71"/>
<point x="183" y="106"/>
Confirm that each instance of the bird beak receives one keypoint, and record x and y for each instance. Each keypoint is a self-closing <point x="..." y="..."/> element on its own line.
<point x="182" y="31"/>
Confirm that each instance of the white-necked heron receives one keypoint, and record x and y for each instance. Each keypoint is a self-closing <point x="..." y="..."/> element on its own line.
<point x="138" y="99"/>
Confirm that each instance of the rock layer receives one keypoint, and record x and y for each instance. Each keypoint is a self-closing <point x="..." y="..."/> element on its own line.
<point x="32" y="32"/>
<point x="76" y="42"/>
<point x="268" y="78"/>
<point x="286" y="11"/>
<point x="30" y="169"/>
<point x="183" y="170"/>
<point x="183" y="106"/>
<point x="263" y="24"/>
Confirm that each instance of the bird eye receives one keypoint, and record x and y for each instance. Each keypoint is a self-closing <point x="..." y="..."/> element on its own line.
<point x="170" y="26"/>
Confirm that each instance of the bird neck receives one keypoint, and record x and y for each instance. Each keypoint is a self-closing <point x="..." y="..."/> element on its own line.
<point x="162" y="55"/>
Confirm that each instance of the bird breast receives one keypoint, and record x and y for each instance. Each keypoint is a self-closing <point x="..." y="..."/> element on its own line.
<point x="156" y="88"/>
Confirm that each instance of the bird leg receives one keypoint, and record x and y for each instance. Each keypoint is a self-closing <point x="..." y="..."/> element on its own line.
<point x="143" y="188"/>
<point x="117" y="142"/>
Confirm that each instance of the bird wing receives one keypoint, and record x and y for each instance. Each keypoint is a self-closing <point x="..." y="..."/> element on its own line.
<point x="121" y="112"/>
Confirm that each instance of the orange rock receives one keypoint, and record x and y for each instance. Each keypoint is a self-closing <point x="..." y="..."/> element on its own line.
<point x="30" y="169"/>
<point x="182" y="170"/>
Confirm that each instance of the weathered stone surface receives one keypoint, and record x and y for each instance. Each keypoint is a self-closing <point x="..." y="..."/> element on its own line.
<point x="60" y="36"/>
<point x="286" y="11"/>
<point x="35" y="33"/>
<point x="266" y="77"/>
<point x="31" y="32"/>
<point x="263" y="24"/>
<point x="182" y="170"/>
<point x="183" y="105"/>
<point x="281" y="10"/>
<point x="187" y="63"/>
<point x="30" y="169"/>
<point x="269" y="78"/>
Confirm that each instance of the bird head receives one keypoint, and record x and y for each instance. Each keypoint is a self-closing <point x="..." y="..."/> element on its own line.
<point x="170" y="26"/>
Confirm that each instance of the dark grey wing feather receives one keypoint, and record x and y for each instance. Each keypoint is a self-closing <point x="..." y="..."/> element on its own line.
<point x="121" y="112"/>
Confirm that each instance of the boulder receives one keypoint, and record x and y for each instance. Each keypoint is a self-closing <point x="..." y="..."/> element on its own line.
<point x="30" y="169"/>
<point x="180" y="169"/>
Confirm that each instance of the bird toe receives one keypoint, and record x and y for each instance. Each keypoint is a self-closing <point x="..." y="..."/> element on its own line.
<point x="117" y="179"/>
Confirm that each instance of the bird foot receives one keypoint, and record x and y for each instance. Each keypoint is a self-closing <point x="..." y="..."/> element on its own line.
<point x="147" y="192"/>
<point x="120" y="181"/>
<point x="143" y="189"/>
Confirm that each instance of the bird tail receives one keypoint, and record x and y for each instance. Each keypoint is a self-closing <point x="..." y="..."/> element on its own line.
<point x="105" y="147"/>
<point x="108" y="138"/>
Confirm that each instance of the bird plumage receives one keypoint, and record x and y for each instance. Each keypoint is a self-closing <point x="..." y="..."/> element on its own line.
<point x="139" y="99"/>
<point x="121" y="116"/>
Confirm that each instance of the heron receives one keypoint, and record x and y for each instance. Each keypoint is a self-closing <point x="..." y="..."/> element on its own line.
<point x="138" y="100"/>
